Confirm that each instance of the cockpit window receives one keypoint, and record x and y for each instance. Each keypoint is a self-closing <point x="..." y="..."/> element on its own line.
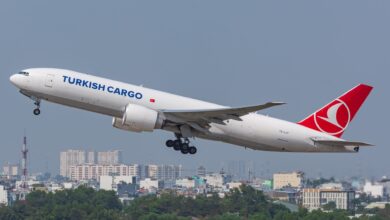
<point x="24" y="73"/>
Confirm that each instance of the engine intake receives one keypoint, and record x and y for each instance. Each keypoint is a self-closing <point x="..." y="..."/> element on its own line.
<point x="138" y="118"/>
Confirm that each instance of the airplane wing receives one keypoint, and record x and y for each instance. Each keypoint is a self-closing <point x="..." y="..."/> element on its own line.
<point x="202" y="117"/>
<point x="342" y="143"/>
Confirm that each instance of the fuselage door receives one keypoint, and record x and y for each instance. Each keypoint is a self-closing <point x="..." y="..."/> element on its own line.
<point x="49" y="80"/>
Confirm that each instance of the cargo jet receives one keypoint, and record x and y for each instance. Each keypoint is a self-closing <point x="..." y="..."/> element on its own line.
<point x="140" y="109"/>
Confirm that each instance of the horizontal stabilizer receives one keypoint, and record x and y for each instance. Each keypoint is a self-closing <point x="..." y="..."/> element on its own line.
<point x="342" y="143"/>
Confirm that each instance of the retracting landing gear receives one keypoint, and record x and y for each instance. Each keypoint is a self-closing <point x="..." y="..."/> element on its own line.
<point x="181" y="144"/>
<point x="37" y="103"/>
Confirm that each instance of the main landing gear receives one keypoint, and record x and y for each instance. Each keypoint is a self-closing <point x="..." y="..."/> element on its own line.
<point x="182" y="145"/>
<point x="37" y="103"/>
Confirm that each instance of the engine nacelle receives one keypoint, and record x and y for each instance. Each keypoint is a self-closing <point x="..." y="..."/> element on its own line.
<point x="138" y="118"/>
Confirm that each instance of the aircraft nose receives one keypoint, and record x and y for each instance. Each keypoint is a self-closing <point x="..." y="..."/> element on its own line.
<point x="12" y="78"/>
<point x="15" y="79"/>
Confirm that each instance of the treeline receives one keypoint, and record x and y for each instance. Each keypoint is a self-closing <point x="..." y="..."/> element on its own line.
<point x="80" y="203"/>
<point x="86" y="203"/>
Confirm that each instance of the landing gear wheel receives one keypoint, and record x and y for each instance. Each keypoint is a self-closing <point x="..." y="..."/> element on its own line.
<point x="177" y="145"/>
<point x="192" y="150"/>
<point x="169" y="143"/>
<point x="37" y="103"/>
<point x="181" y="144"/>
<point x="184" y="146"/>
<point x="176" y="148"/>
<point x="184" y="151"/>
<point x="37" y="111"/>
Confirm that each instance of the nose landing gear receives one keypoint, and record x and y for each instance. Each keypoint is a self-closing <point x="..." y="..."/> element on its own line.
<point x="37" y="103"/>
<point x="182" y="145"/>
<point x="37" y="111"/>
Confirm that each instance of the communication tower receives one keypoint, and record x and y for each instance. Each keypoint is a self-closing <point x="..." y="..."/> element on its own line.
<point x="24" y="185"/>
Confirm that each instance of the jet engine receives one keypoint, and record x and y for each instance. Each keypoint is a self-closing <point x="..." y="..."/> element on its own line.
<point x="138" y="118"/>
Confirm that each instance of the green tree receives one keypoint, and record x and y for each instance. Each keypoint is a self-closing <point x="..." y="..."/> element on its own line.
<point x="330" y="206"/>
<point x="225" y="216"/>
<point x="246" y="200"/>
<point x="259" y="216"/>
<point x="81" y="203"/>
<point x="242" y="203"/>
<point x="7" y="213"/>
<point x="384" y="213"/>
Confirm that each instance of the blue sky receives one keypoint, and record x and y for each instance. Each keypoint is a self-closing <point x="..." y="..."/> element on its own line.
<point x="234" y="53"/>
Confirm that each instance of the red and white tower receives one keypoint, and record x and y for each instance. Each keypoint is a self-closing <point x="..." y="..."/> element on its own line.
<point x="24" y="163"/>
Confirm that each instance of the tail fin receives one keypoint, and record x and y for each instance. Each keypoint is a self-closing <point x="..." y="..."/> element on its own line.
<point x="335" y="117"/>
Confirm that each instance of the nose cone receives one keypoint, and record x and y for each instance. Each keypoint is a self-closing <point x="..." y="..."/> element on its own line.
<point x="12" y="78"/>
<point x="16" y="80"/>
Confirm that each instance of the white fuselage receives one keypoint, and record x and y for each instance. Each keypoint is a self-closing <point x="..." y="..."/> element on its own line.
<point x="255" y="131"/>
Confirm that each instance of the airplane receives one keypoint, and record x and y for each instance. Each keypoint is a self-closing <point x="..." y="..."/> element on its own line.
<point x="139" y="109"/>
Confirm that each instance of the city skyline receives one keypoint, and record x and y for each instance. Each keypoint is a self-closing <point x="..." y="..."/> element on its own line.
<point x="237" y="169"/>
<point x="229" y="53"/>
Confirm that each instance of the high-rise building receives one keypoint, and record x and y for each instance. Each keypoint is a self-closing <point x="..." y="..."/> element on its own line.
<point x="242" y="170"/>
<point x="201" y="171"/>
<point x="151" y="171"/>
<point x="168" y="172"/>
<point x="142" y="171"/>
<point x="375" y="190"/>
<point x="135" y="170"/>
<point x="79" y="157"/>
<point x="91" y="157"/>
<point x="215" y="179"/>
<point x="313" y="199"/>
<point x="3" y="196"/>
<point x="110" y="157"/>
<point x="94" y="171"/>
<point x="70" y="158"/>
<point x="232" y="169"/>
<point x="293" y="180"/>
<point x="11" y="170"/>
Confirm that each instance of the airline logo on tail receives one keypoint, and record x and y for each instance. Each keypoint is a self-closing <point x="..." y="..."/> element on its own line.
<point x="335" y="117"/>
